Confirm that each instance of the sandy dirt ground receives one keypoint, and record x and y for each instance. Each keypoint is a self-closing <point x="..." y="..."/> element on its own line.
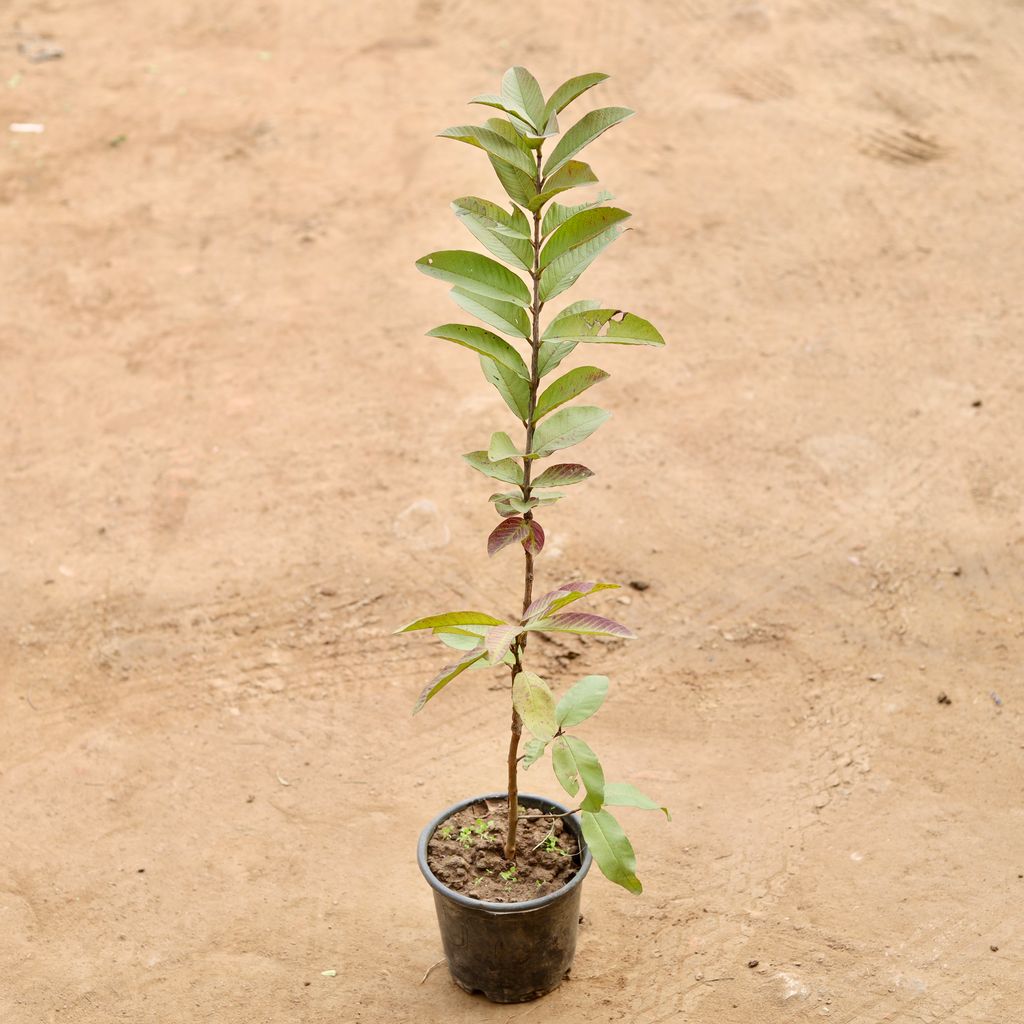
<point x="230" y="468"/>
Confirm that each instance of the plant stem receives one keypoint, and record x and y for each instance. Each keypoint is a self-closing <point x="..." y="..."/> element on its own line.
<point x="520" y="645"/>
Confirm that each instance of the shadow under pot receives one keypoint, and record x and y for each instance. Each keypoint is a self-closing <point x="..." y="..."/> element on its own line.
<point x="510" y="952"/>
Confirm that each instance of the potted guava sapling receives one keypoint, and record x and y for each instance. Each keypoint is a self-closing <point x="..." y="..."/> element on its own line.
<point x="507" y="868"/>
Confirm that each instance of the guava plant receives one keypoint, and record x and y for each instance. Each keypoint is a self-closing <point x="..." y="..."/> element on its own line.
<point x="543" y="247"/>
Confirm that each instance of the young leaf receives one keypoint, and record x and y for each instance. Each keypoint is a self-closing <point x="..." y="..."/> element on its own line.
<point x="533" y="542"/>
<point x="507" y="470"/>
<point x="491" y="142"/>
<point x="563" y="272"/>
<point x="582" y="133"/>
<point x="501" y="447"/>
<point x="566" y="388"/>
<point x="508" y="503"/>
<point x="624" y="794"/>
<point x="485" y="343"/>
<point x="509" y="385"/>
<point x="611" y="849"/>
<point x="497" y="230"/>
<point x="583" y="623"/>
<point x="499" y="640"/>
<point x="568" y="91"/>
<point x="532" y="698"/>
<point x="574" y="174"/>
<point x="533" y="750"/>
<point x="556" y="214"/>
<point x="503" y="503"/>
<point x="521" y="95"/>
<point x="580" y="701"/>
<point x="458" y="639"/>
<point x="475" y="273"/>
<point x="452" y="619"/>
<point x="573" y="760"/>
<point x="445" y="676"/>
<point x="508" y="531"/>
<point x="610" y="326"/>
<point x="563" y="595"/>
<point x="562" y="475"/>
<point x="566" y="428"/>
<point x="507" y="317"/>
<point x="580" y="228"/>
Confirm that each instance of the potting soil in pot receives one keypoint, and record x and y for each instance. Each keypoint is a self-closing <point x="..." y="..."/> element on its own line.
<point x="467" y="854"/>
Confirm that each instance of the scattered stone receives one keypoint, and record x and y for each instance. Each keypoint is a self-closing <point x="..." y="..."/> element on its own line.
<point x="876" y="677"/>
<point x="753" y="963"/>
<point x="639" y="584"/>
<point x="943" y="698"/>
<point x="995" y="949"/>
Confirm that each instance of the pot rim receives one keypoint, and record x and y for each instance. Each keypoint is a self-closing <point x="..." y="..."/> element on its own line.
<point x="503" y="908"/>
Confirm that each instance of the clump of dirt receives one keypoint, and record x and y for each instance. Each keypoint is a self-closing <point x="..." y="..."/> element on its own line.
<point x="467" y="854"/>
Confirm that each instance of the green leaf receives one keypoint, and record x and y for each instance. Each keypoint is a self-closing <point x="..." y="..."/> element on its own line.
<point x="452" y="619"/>
<point x="582" y="133"/>
<point x="563" y="595"/>
<point x="580" y="228"/>
<point x="574" y="174"/>
<point x="573" y="760"/>
<point x="475" y="273"/>
<point x="532" y="698"/>
<point x="580" y="701"/>
<point x="624" y="794"/>
<point x="533" y="750"/>
<point x="580" y="306"/>
<point x="611" y="849"/>
<point x="489" y="99"/>
<point x="519" y="187"/>
<point x="444" y="677"/>
<point x="499" y="640"/>
<point x="582" y="623"/>
<point x="491" y="142"/>
<point x="509" y="385"/>
<point x="608" y="326"/>
<point x="485" y="343"/>
<point x="566" y="428"/>
<point x="501" y="447"/>
<point x="551" y="355"/>
<point x="508" y="470"/>
<point x="568" y="91"/>
<point x="564" y="271"/>
<point x="507" y="317"/>
<point x="556" y="214"/>
<point x="566" y="388"/>
<point x="562" y="475"/>
<point x="497" y="230"/>
<point x="521" y="94"/>
<point x="508" y="531"/>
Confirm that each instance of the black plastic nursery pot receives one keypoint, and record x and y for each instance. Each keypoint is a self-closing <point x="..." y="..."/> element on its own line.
<point x="511" y="952"/>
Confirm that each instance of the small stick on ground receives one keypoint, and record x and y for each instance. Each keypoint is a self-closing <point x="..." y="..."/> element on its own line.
<point x="432" y="967"/>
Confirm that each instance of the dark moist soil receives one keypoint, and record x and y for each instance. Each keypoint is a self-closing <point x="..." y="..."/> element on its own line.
<point x="467" y="854"/>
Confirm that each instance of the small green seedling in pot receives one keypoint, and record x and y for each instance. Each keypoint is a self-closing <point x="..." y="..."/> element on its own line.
<point x="541" y="248"/>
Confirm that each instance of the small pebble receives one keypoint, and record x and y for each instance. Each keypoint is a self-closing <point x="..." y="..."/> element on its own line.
<point x="639" y="584"/>
<point x="753" y="963"/>
<point x="995" y="949"/>
<point x="943" y="698"/>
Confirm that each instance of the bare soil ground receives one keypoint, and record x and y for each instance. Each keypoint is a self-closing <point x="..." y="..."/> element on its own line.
<point x="230" y="468"/>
